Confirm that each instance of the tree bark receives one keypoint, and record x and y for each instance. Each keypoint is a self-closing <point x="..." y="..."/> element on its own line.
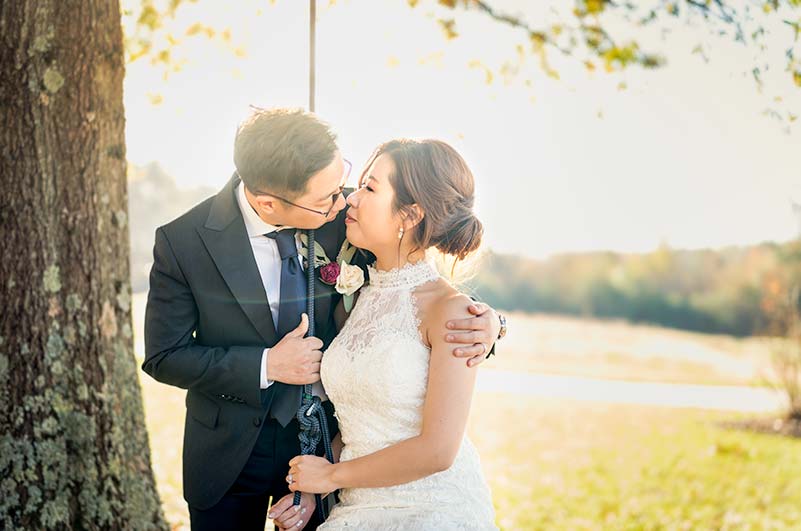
<point x="73" y="446"/>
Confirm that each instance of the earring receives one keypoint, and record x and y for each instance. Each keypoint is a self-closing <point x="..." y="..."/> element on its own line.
<point x="400" y="233"/>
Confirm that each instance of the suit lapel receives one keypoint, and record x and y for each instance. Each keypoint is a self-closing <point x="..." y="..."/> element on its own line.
<point x="226" y="240"/>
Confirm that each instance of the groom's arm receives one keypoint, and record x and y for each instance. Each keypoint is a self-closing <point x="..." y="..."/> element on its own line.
<point x="171" y="354"/>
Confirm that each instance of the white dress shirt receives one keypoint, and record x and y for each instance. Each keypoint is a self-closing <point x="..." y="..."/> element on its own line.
<point x="268" y="261"/>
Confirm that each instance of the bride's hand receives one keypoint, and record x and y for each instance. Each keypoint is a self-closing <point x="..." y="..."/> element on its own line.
<point x="309" y="473"/>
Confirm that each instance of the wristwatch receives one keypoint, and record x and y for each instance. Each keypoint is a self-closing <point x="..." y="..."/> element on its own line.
<point x="501" y="335"/>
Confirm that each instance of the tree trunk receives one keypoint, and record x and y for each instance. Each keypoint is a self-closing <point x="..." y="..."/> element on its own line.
<point x="73" y="446"/>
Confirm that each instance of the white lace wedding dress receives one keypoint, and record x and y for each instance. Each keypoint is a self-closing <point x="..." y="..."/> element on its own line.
<point x="375" y="372"/>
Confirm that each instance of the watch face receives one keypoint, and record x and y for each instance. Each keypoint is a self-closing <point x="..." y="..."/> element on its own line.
<point x="503" y="326"/>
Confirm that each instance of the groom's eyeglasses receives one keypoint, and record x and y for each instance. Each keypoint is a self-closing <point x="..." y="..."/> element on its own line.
<point x="334" y="197"/>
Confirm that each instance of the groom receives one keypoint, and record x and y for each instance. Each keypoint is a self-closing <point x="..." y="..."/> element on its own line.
<point x="225" y="318"/>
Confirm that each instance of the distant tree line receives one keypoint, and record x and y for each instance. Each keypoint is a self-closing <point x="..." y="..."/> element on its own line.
<point x="735" y="290"/>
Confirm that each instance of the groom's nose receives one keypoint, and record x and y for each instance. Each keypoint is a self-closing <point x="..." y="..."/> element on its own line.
<point x="340" y="203"/>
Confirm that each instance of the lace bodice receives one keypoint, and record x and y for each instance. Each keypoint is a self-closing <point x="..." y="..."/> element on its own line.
<point x="376" y="373"/>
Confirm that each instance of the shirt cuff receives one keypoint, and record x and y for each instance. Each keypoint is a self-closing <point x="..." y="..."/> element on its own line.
<point x="264" y="383"/>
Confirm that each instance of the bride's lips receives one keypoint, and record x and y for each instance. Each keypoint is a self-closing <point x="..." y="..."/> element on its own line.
<point x="349" y="219"/>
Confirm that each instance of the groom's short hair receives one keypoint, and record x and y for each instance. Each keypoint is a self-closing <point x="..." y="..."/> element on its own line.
<point x="278" y="150"/>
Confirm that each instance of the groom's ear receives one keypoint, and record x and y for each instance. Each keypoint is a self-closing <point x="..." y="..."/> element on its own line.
<point x="266" y="203"/>
<point x="262" y="203"/>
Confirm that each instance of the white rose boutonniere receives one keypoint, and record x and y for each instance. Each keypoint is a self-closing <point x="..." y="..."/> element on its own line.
<point x="350" y="279"/>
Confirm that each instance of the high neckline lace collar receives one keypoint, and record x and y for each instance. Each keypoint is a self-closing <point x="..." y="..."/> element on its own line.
<point x="409" y="276"/>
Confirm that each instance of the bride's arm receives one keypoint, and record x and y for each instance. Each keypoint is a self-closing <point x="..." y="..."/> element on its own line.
<point x="447" y="405"/>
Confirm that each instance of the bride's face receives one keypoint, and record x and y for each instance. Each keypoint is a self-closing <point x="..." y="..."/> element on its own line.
<point x="371" y="221"/>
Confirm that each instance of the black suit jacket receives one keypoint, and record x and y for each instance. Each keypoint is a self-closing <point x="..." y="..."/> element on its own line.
<point x="206" y="325"/>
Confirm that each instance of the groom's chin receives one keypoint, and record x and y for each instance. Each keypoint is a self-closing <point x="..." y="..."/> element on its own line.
<point x="309" y="226"/>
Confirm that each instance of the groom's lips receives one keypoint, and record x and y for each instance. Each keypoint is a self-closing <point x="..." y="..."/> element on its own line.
<point x="349" y="219"/>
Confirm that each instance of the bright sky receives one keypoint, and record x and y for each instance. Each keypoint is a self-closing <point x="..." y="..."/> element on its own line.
<point x="683" y="155"/>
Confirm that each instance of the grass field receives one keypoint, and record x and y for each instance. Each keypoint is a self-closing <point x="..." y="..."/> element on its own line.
<point x="584" y="466"/>
<point x="577" y="466"/>
<point x="574" y="465"/>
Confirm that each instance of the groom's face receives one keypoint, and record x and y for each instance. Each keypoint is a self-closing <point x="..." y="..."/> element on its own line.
<point x="323" y="194"/>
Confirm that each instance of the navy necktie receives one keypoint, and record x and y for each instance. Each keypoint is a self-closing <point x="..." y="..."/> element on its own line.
<point x="292" y="304"/>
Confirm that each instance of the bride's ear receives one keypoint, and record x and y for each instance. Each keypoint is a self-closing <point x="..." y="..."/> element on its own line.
<point x="412" y="217"/>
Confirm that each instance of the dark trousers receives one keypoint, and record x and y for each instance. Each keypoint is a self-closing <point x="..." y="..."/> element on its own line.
<point x="244" y="506"/>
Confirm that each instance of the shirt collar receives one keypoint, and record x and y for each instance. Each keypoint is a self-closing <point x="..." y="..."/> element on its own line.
<point x="253" y="223"/>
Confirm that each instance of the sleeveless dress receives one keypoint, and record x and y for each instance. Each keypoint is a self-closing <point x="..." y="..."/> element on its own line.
<point x="375" y="372"/>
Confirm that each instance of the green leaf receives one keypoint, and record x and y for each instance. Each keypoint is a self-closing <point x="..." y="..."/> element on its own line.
<point x="346" y="252"/>
<point x="348" y="302"/>
<point x="320" y="258"/>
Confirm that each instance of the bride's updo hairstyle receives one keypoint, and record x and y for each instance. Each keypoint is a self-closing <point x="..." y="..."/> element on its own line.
<point x="431" y="174"/>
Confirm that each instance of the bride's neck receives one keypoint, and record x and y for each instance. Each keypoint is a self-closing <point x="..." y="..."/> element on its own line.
<point x="390" y="260"/>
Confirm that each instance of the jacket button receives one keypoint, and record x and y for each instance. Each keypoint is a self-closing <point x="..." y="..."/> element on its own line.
<point x="257" y="421"/>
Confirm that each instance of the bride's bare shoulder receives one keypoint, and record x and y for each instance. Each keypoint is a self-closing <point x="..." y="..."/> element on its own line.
<point x="439" y="303"/>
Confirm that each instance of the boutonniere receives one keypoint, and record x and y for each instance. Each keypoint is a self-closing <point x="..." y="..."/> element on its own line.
<point x="340" y="273"/>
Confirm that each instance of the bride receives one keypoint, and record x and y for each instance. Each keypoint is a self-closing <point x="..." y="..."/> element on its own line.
<point x="402" y="399"/>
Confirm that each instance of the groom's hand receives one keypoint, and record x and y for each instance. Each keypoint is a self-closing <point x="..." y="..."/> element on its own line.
<point x="474" y="336"/>
<point x="285" y="515"/>
<point x="296" y="359"/>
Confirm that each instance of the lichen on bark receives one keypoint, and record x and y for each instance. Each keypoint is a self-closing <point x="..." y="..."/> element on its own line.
<point x="73" y="445"/>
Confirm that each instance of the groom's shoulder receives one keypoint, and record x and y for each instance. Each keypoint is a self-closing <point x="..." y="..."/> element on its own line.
<point x="189" y="220"/>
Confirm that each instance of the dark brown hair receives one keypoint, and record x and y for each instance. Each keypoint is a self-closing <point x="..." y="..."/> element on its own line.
<point x="278" y="150"/>
<point x="431" y="174"/>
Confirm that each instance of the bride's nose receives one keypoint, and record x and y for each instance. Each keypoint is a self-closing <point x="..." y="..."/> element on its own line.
<point x="353" y="199"/>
